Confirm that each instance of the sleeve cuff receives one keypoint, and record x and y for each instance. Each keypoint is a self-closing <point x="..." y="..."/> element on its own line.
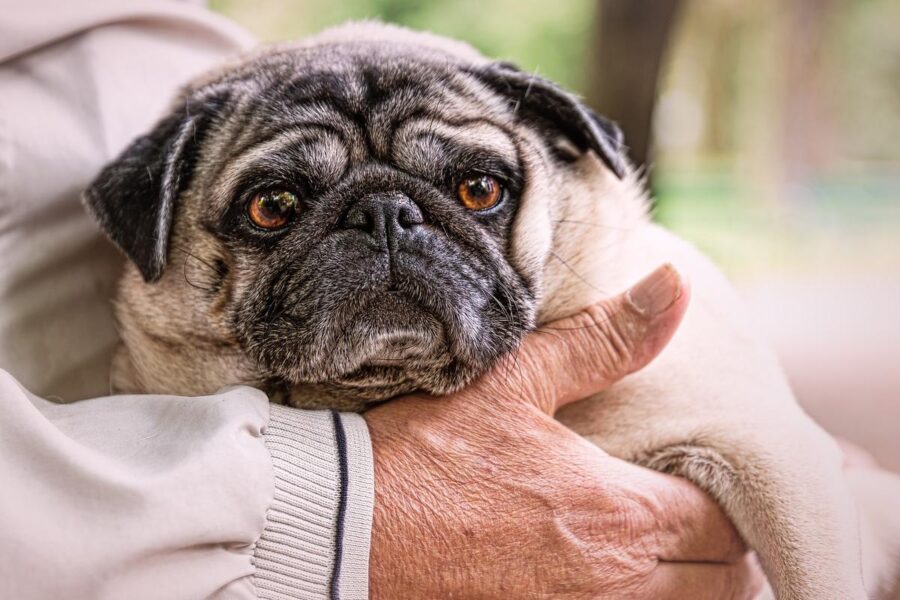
<point x="316" y="540"/>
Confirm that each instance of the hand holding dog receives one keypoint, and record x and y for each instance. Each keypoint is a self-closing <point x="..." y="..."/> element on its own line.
<point x="482" y="494"/>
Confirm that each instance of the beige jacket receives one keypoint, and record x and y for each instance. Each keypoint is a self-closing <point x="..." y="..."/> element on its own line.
<point x="139" y="496"/>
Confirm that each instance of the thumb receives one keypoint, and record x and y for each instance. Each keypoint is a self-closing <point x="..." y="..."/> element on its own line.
<point x="578" y="356"/>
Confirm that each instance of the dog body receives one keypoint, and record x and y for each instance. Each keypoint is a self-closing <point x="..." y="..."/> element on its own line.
<point x="383" y="283"/>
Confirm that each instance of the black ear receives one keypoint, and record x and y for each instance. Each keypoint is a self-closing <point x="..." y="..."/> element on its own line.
<point x="581" y="125"/>
<point x="134" y="196"/>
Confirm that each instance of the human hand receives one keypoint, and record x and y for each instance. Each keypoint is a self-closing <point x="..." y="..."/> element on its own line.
<point x="482" y="494"/>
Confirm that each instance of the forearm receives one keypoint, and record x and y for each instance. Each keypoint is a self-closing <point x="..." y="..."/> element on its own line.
<point x="158" y="496"/>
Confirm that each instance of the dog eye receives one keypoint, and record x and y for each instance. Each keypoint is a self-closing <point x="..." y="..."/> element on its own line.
<point x="273" y="209"/>
<point x="479" y="192"/>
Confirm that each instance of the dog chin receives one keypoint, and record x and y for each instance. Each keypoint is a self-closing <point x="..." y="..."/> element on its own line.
<point x="371" y="385"/>
<point x="386" y="352"/>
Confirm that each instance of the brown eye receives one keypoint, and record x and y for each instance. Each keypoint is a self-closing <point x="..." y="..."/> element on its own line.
<point x="479" y="192"/>
<point x="272" y="210"/>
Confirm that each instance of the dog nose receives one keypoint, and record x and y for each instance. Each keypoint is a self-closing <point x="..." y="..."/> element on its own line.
<point x="386" y="218"/>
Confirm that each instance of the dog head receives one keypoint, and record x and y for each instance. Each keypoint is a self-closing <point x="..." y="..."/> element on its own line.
<point x="357" y="216"/>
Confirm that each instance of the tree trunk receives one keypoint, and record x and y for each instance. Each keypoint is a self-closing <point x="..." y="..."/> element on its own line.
<point x="630" y="41"/>
<point x="807" y="128"/>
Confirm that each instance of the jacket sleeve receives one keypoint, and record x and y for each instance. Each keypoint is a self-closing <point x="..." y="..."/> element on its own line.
<point x="316" y="539"/>
<point x="168" y="497"/>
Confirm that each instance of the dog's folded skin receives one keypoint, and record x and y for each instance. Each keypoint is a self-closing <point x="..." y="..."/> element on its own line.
<point x="376" y="211"/>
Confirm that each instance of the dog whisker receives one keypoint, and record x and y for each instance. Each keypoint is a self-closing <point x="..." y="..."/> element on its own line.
<point x="597" y="225"/>
<point x="576" y="273"/>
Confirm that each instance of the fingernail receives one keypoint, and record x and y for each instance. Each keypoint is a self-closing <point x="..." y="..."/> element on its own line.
<point x="658" y="291"/>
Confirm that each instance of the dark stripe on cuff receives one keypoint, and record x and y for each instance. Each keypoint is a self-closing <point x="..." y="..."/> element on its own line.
<point x="341" y="439"/>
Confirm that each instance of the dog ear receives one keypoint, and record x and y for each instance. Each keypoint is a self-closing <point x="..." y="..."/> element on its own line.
<point x="538" y="96"/>
<point x="134" y="196"/>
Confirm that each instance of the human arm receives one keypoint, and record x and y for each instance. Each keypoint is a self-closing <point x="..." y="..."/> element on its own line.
<point x="169" y="497"/>
<point x="477" y="492"/>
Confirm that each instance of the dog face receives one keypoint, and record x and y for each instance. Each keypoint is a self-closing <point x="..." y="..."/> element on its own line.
<point x="359" y="216"/>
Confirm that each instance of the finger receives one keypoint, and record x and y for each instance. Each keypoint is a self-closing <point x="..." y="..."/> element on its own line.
<point x="691" y="525"/>
<point x="739" y="580"/>
<point x="581" y="355"/>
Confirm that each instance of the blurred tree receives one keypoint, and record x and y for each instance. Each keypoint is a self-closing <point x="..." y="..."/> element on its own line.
<point x="629" y="42"/>
<point x="808" y="126"/>
<point x="397" y="11"/>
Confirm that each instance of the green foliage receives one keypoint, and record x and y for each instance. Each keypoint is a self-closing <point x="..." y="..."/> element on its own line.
<point x="866" y="51"/>
<point x="548" y="37"/>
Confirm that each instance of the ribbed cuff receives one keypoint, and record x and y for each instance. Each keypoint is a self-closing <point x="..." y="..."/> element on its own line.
<point x="316" y="540"/>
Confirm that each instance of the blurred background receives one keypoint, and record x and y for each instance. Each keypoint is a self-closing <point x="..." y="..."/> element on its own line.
<point x="770" y="131"/>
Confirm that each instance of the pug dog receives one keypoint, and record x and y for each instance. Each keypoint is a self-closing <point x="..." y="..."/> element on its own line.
<point x="376" y="211"/>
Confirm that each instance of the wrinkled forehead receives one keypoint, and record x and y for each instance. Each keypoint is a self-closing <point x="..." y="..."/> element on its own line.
<point x="326" y="109"/>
